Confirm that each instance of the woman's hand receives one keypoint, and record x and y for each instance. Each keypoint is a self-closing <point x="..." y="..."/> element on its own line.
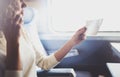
<point x="12" y="34"/>
<point x="12" y="28"/>
<point x="79" y="36"/>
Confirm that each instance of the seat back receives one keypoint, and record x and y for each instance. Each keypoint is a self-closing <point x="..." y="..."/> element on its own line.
<point x="30" y="25"/>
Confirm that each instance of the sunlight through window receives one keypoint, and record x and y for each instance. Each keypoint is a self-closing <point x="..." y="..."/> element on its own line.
<point x="70" y="15"/>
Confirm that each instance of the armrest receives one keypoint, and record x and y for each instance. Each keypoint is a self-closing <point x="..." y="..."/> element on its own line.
<point x="57" y="72"/>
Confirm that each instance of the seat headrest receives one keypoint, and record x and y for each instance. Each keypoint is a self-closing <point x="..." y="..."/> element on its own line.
<point x="29" y="15"/>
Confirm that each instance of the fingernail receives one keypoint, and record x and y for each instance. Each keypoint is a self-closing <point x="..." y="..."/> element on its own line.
<point x="85" y="28"/>
<point x="17" y="17"/>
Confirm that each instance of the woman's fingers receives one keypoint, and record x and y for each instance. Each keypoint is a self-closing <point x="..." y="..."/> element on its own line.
<point x="18" y="19"/>
<point x="82" y="36"/>
<point x="82" y="31"/>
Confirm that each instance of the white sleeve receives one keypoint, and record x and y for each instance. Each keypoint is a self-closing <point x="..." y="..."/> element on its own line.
<point x="46" y="62"/>
<point x="13" y="74"/>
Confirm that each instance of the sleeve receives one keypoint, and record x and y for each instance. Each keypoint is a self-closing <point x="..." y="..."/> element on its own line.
<point x="46" y="62"/>
<point x="42" y="59"/>
<point x="13" y="74"/>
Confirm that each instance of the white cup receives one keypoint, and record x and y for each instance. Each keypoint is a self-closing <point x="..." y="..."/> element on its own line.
<point x="93" y="26"/>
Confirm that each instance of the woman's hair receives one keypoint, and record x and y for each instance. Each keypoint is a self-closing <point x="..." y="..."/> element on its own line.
<point x="7" y="13"/>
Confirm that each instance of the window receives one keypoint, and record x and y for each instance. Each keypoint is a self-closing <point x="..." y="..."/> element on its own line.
<point x="69" y="15"/>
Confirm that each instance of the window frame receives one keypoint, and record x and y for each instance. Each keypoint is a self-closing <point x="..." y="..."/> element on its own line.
<point x="52" y="29"/>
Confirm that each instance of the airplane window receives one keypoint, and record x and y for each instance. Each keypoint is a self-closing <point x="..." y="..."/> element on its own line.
<point x="69" y="15"/>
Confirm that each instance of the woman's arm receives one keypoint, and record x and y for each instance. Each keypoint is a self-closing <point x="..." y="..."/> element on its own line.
<point x="48" y="62"/>
<point x="13" y="61"/>
<point x="12" y="35"/>
<point x="77" y="38"/>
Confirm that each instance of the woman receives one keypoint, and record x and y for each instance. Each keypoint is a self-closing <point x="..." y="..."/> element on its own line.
<point x="19" y="54"/>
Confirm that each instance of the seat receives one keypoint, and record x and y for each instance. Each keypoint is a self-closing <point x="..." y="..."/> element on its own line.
<point x="31" y="28"/>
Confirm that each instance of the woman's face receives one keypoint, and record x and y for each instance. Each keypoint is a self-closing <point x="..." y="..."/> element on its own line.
<point x="22" y="5"/>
